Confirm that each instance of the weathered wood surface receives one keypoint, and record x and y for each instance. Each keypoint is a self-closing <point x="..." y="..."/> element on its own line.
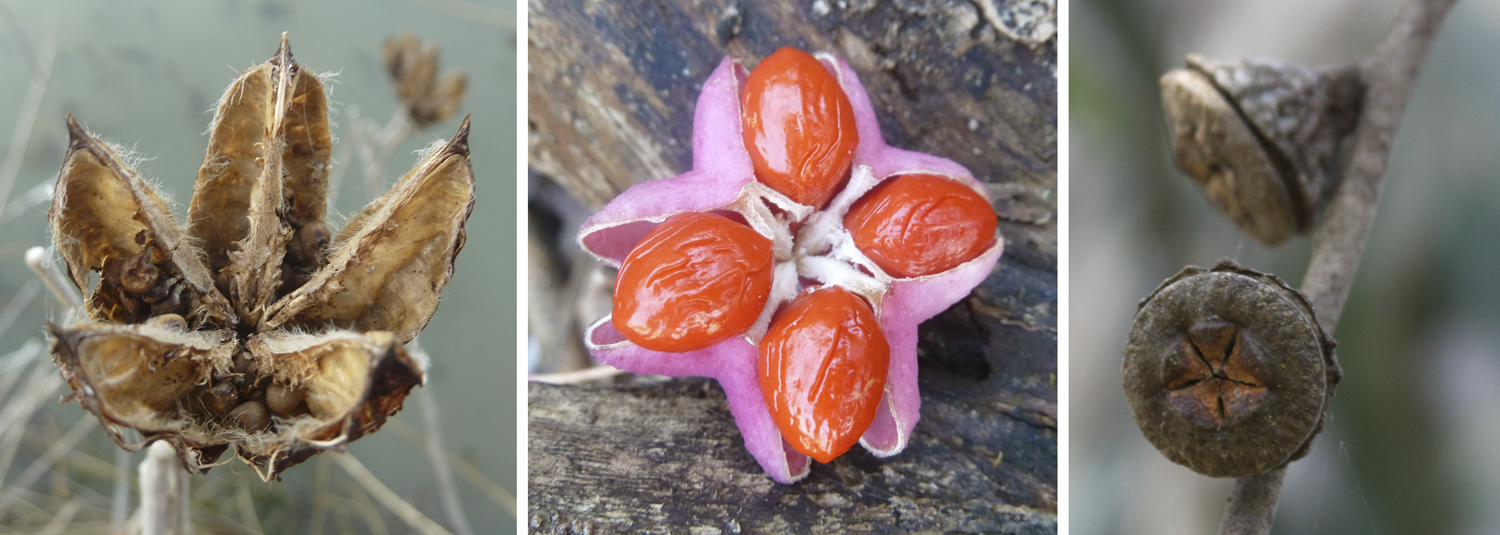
<point x="612" y="93"/>
<point x="665" y="457"/>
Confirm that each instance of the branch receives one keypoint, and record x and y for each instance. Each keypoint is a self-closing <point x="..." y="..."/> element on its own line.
<point x="1339" y="240"/>
<point x="1389" y="73"/>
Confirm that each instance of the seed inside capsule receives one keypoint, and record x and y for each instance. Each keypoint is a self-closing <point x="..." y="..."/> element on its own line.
<point x="220" y="399"/>
<point x="308" y="243"/>
<point x="693" y="281"/>
<point x="919" y="225"/>
<point x="823" y="370"/>
<point x="138" y="275"/>
<point x="169" y="321"/>
<point x="250" y="416"/>
<point x="242" y="362"/>
<point x="284" y="400"/>
<point x="798" y="126"/>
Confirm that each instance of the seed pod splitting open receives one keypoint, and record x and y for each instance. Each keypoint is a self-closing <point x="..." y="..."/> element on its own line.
<point x="811" y="248"/>
<point x="248" y="326"/>
<point x="1227" y="371"/>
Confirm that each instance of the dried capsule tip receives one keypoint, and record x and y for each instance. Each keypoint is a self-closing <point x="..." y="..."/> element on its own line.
<point x="77" y="136"/>
<point x="284" y="53"/>
<point x="459" y="143"/>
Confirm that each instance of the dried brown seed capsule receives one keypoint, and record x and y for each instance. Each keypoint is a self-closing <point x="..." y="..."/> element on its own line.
<point x="220" y="399"/>
<point x="250" y="416"/>
<point x="284" y="400"/>
<point x="414" y="67"/>
<point x="1227" y="371"/>
<point x="1260" y="137"/>
<point x="222" y="312"/>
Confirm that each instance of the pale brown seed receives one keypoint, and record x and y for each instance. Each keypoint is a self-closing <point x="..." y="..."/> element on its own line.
<point x="169" y="321"/>
<point x="284" y="400"/>
<point x="250" y="416"/>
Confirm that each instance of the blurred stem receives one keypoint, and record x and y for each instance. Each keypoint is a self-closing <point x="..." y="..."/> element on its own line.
<point x="437" y="455"/>
<point x="29" y="108"/>
<point x="40" y="262"/>
<point x="1389" y="74"/>
<point x="321" y="473"/>
<point x="119" y="508"/>
<point x="246" y="505"/>
<point x="164" y="507"/>
<point x="376" y="147"/>
<point x="390" y="500"/>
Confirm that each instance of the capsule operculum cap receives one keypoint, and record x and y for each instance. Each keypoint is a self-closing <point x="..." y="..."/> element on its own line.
<point x="1261" y="137"/>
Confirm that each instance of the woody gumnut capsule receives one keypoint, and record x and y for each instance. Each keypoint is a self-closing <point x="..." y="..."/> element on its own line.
<point x="783" y="155"/>
<point x="1227" y="371"/>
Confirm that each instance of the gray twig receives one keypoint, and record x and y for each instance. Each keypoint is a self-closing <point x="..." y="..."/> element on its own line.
<point x="1339" y="239"/>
